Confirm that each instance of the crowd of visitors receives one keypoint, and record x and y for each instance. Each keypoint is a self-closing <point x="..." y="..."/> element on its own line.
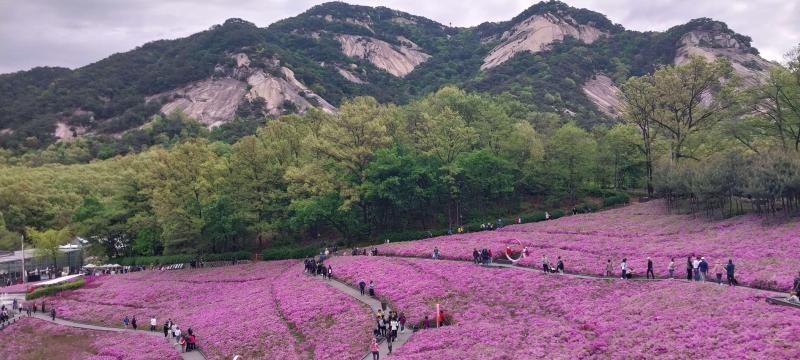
<point x="482" y="257"/>
<point x="317" y="267"/>
<point x="187" y="340"/>
<point x="387" y="326"/>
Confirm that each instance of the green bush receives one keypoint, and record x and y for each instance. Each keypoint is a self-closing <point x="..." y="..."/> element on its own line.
<point x="290" y="252"/>
<point x="557" y="213"/>
<point x="50" y="290"/>
<point x="586" y="207"/>
<point x="180" y="259"/>
<point x="618" y="198"/>
<point x="414" y="235"/>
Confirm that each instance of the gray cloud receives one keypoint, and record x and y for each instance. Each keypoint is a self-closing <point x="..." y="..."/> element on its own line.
<point x="73" y="33"/>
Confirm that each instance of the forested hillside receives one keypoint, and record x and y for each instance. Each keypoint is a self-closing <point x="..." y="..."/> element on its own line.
<point x="350" y="124"/>
<point x="238" y="73"/>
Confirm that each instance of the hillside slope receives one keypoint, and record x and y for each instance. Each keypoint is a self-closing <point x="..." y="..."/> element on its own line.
<point x="552" y="57"/>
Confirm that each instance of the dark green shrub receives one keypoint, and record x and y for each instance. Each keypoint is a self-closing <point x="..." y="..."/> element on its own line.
<point x="618" y="198"/>
<point x="50" y="290"/>
<point x="290" y="252"/>
<point x="180" y="259"/>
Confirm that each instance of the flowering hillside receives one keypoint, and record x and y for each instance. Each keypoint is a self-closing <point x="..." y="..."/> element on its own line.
<point x="32" y="338"/>
<point x="514" y="314"/>
<point x="261" y="310"/>
<point x="765" y="256"/>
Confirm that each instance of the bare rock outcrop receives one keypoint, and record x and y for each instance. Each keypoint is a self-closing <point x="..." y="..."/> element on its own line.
<point x="277" y="90"/>
<point x="396" y="60"/>
<point x="403" y="21"/>
<point x="66" y="132"/>
<point x="711" y="45"/>
<point x="350" y="76"/>
<point x="604" y="94"/>
<point x="535" y="34"/>
<point x="210" y="101"/>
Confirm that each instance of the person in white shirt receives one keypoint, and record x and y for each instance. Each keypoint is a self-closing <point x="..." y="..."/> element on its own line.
<point x="394" y="325"/>
<point x="153" y="323"/>
<point x="177" y="332"/>
<point x="696" y="268"/>
<point x="624" y="267"/>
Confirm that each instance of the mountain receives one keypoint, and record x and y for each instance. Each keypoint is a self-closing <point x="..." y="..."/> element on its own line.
<point x="552" y="57"/>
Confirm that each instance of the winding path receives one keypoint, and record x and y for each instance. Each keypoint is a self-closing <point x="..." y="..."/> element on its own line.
<point x="577" y="275"/>
<point x="374" y="304"/>
<point x="192" y="355"/>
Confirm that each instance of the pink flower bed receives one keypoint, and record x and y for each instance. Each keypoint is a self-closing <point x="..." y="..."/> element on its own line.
<point x="333" y="325"/>
<point x="33" y="338"/>
<point x="235" y="310"/>
<point x="765" y="256"/>
<point x="516" y="314"/>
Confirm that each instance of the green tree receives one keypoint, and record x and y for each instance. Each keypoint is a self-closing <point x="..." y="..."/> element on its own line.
<point x="47" y="242"/>
<point x="692" y="97"/>
<point x="570" y="154"/>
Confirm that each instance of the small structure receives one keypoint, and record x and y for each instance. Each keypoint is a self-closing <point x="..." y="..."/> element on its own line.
<point x="38" y="268"/>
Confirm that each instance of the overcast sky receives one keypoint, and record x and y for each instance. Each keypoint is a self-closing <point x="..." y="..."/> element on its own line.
<point x="73" y="33"/>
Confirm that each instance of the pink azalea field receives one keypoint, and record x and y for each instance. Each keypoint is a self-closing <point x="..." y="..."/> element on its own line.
<point x="31" y="338"/>
<point x="516" y="314"/>
<point x="264" y="310"/>
<point x="765" y="256"/>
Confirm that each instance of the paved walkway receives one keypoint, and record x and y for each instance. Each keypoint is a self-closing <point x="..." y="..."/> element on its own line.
<point x="580" y="276"/>
<point x="374" y="304"/>
<point x="192" y="355"/>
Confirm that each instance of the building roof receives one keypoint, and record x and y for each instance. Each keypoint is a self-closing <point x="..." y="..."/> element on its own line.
<point x="29" y="253"/>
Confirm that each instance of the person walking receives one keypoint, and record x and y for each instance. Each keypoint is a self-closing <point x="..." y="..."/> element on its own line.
<point x="330" y="272"/>
<point x="166" y="329"/>
<point x="560" y="265"/>
<point x="671" y="268"/>
<point x="475" y="255"/>
<point x="375" y="349"/>
<point x="182" y="343"/>
<point x="718" y="272"/>
<point x="53" y="314"/>
<point x="153" y="323"/>
<point x="696" y="268"/>
<point x="689" y="268"/>
<point x="650" y="268"/>
<point x="133" y="322"/>
<point x="402" y="321"/>
<point x="703" y="269"/>
<point x="609" y="268"/>
<point x="624" y="268"/>
<point x="436" y="253"/>
<point x="394" y="325"/>
<point x="545" y="264"/>
<point x="125" y="321"/>
<point x="796" y="284"/>
<point x="192" y="342"/>
<point x="729" y="271"/>
<point x="371" y="288"/>
<point x="389" y="346"/>
<point x="362" y="285"/>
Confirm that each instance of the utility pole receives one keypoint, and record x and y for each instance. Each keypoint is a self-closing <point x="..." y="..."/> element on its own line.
<point x="22" y="240"/>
